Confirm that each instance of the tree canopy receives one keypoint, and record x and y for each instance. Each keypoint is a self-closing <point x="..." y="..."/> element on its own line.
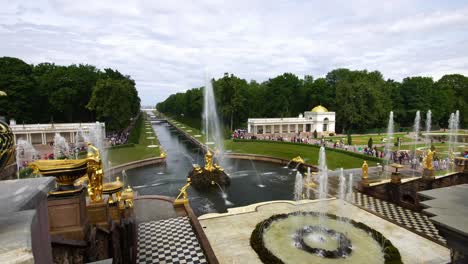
<point x="47" y="92"/>
<point x="361" y="99"/>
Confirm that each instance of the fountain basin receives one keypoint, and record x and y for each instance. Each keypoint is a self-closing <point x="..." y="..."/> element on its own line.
<point x="297" y="237"/>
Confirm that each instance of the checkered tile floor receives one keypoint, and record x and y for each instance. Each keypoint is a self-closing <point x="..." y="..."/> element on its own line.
<point x="168" y="241"/>
<point x="413" y="221"/>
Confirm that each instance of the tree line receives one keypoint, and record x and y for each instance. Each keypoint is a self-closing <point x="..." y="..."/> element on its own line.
<point x="362" y="100"/>
<point x="47" y="92"/>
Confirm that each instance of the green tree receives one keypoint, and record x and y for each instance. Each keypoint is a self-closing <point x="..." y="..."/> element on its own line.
<point x="350" y="140"/>
<point x="20" y="88"/>
<point x="113" y="100"/>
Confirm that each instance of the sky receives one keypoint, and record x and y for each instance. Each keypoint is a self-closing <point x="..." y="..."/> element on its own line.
<point x="170" y="46"/>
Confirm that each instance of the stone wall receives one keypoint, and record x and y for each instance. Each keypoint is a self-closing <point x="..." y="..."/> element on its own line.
<point x="405" y="194"/>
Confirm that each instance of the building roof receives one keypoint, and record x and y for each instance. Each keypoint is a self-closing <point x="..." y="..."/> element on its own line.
<point x="319" y="109"/>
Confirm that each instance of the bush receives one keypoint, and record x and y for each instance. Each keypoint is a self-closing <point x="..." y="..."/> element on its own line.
<point x="135" y="134"/>
<point x="370" y="142"/>
<point x="350" y="140"/>
<point x="331" y="134"/>
<point x="315" y="133"/>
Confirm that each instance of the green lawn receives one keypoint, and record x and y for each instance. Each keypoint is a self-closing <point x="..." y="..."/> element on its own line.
<point x="188" y="129"/>
<point x="287" y="151"/>
<point x="138" y="151"/>
<point x="363" y="139"/>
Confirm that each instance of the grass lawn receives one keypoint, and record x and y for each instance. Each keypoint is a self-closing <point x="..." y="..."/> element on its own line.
<point x="310" y="154"/>
<point x="194" y="132"/>
<point x="138" y="151"/>
<point x="363" y="139"/>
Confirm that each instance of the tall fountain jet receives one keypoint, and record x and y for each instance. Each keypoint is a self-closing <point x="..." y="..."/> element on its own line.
<point x="389" y="142"/>
<point x="416" y="128"/>
<point x="211" y="124"/>
<point x="323" y="185"/>
<point x="428" y="128"/>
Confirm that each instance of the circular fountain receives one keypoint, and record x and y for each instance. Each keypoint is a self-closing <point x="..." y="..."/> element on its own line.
<point x="301" y="237"/>
<point x="319" y="237"/>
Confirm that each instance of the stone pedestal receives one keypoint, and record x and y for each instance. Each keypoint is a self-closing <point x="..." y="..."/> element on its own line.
<point x="395" y="178"/>
<point x="114" y="212"/>
<point x="67" y="216"/>
<point x="364" y="183"/>
<point x="428" y="174"/>
<point x="98" y="213"/>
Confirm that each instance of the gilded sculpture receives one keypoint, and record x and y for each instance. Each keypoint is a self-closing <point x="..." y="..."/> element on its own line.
<point x="365" y="171"/>
<point x="95" y="174"/>
<point x="428" y="160"/>
<point x="209" y="161"/>
<point x="182" y="198"/>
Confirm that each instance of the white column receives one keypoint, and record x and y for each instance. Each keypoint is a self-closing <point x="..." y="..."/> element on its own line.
<point x="72" y="140"/>
<point x="255" y="130"/>
<point x="264" y="129"/>
<point x="28" y="137"/>
<point x="289" y="129"/>
<point x="43" y="140"/>
<point x="304" y="127"/>
<point x="281" y="128"/>
<point x="296" y="130"/>
<point x="248" y="128"/>
<point x="14" y="138"/>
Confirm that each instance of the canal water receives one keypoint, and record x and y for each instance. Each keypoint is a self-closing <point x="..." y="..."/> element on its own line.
<point x="251" y="181"/>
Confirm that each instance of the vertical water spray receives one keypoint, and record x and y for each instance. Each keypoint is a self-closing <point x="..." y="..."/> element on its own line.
<point x="323" y="185"/>
<point x="428" y="128"/>
<point x="389" y="142"/>
<point x="451" y="139"/>
<point x="211" y="124"/>
<point x="298" y="187"/>
<point x="97" y="137"/>
<point x="456" y="125"/>
<point x="309" y="181"/>
<point x="61" y="147"/>
<point x="349" y="196"/>
<point x="342" y="192"/>
<point x="25" y="153"/>
<point x="416" y="127"/>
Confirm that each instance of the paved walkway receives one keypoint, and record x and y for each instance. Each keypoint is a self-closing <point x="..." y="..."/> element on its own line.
<point x="413" y="221"/>
<point x="165" y="235"/>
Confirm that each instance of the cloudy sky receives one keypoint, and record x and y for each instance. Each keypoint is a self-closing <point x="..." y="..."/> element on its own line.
<point x="168" y="46"/>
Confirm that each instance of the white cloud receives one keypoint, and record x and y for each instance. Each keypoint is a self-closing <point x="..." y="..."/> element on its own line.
<point x="167" y="45"/>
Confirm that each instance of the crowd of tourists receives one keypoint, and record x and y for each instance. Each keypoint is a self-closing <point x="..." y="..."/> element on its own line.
<point x="118" y="138"/>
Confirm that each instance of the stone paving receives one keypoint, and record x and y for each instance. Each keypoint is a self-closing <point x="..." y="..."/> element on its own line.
<point x="413" y="221"/>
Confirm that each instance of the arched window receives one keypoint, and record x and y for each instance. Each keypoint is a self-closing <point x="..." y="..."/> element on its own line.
<point x="325" y="124"/>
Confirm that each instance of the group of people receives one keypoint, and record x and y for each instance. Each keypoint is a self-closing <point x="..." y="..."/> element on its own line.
<point x="118" y="138"/>
<point x="239" y="134"/>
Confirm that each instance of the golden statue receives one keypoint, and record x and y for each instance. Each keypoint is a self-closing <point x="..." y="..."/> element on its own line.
<point x="183" y="193"/>
<point x="209" y="161"/>
<point x="95" y="174"/>
<point x="427" y="162"/>
<point x="365" y="171"/>
<point x="298" y="159"/>
<point x="163" y="154"/>
<point x="7" y="146"/>
<point x="127" y="197"/>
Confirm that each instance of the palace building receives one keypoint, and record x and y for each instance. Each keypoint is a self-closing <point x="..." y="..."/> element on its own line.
<point x="319" y="118"/>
